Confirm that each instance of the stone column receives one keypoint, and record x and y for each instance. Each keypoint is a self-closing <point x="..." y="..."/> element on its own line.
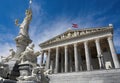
<point x="48" y="60"/>
<point x="41" y="58"/>
<point x="113" y="52"/>
<point x="80" y="60"/>
<point x="62" y="63"/>
<point x="57" y="60"/>
<point x="76" y="57"/>
<point x="71" y="62"/>
<point x="98" y="52"/>
<point x="87" y="55"/>
<point x="66" y="59"/>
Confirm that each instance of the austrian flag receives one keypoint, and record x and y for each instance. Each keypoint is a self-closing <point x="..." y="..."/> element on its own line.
<point x="75" y="25"/>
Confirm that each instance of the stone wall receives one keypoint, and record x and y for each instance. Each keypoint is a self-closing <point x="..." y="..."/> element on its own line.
<point x="98" y="76"/>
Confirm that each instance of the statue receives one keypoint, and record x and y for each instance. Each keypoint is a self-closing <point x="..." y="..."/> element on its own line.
<point x="29" y="51"/>
<point x="23" y="39"/>
<point x="24" y="26"/>
<point x="29" y="54"/>
<point x="35" y="76"/>
<point x="11" y="55"/>
<point x="47" y="72"/>
<point x="1" y="80"/>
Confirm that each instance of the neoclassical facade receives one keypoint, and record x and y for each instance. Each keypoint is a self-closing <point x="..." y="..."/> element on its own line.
<point x="81" y="50"/>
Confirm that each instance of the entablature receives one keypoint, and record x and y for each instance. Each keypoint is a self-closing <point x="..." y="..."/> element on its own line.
<point x="73" y="34"/>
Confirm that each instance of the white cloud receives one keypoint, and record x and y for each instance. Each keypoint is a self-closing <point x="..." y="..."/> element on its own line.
<point x="5" y="36"/>
<point x="55" y="26"/>
<point x="4" y="48"/>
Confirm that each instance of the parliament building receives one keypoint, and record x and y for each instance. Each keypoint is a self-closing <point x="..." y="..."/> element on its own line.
<point x="81" y="50"/>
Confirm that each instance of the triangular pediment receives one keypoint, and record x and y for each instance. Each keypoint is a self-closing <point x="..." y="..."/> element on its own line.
<point x="75" y="33"/>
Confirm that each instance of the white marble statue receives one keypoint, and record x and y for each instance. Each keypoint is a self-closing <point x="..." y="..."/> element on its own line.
<point x="26" y="55"/>
<point x="35" y="76"/>
<point x="24" y="26"/>
<point x="29" y="54"/>
<point x="1" y="80"/>
<point x="11" y="55"/>
<point x="47" y="72"/>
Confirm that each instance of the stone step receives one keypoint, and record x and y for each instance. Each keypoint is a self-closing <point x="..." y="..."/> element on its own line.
<point x="98" y="76"/>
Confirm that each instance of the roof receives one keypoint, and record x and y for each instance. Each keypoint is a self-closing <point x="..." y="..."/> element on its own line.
<point x="75" y="33"/>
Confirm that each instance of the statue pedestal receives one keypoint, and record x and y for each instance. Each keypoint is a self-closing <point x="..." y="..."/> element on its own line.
<point x="13" y="69"/>
<point x="27" y="82"/>
<point x="25" y="69"/>
<point x="25" y="72"/>
<point x="21" y="43"/>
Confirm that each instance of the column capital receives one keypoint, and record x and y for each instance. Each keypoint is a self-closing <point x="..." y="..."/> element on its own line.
<point x="75" y="44"/>
<point x="66" y="46"/>
<point x="85" y="42"/>
<point x="49" y="50"/>
<point x="97" y="40"/>
<point x="42" y="51"/>
<point x="110" y="38"/>
<point x="57" y="47"/>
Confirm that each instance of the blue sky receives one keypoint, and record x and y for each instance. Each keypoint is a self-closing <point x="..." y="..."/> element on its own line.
<point x="52" y="17"/>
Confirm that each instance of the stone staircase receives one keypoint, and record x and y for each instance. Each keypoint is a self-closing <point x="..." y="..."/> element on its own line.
<point x="97" y="76"/>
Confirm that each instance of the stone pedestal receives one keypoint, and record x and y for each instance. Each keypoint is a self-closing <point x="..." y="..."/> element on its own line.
<point x="27" y="82"/>
<point x="28" y="74"/>
<point x="4" y="70"/>
<point x="13" y="69"/>
<point x="25" y="69"/>
<point x="8" y="81"/>
<point x="21" y="43"/>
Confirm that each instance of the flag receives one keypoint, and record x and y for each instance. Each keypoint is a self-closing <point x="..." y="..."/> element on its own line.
<point x="75" y="25"/>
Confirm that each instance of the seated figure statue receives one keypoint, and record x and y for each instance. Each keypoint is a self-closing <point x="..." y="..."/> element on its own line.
<point x="29" y="55"/>
<point x="11" y="55"/>
<point x="35" y="76"/>
<point x="29" y="51"/>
